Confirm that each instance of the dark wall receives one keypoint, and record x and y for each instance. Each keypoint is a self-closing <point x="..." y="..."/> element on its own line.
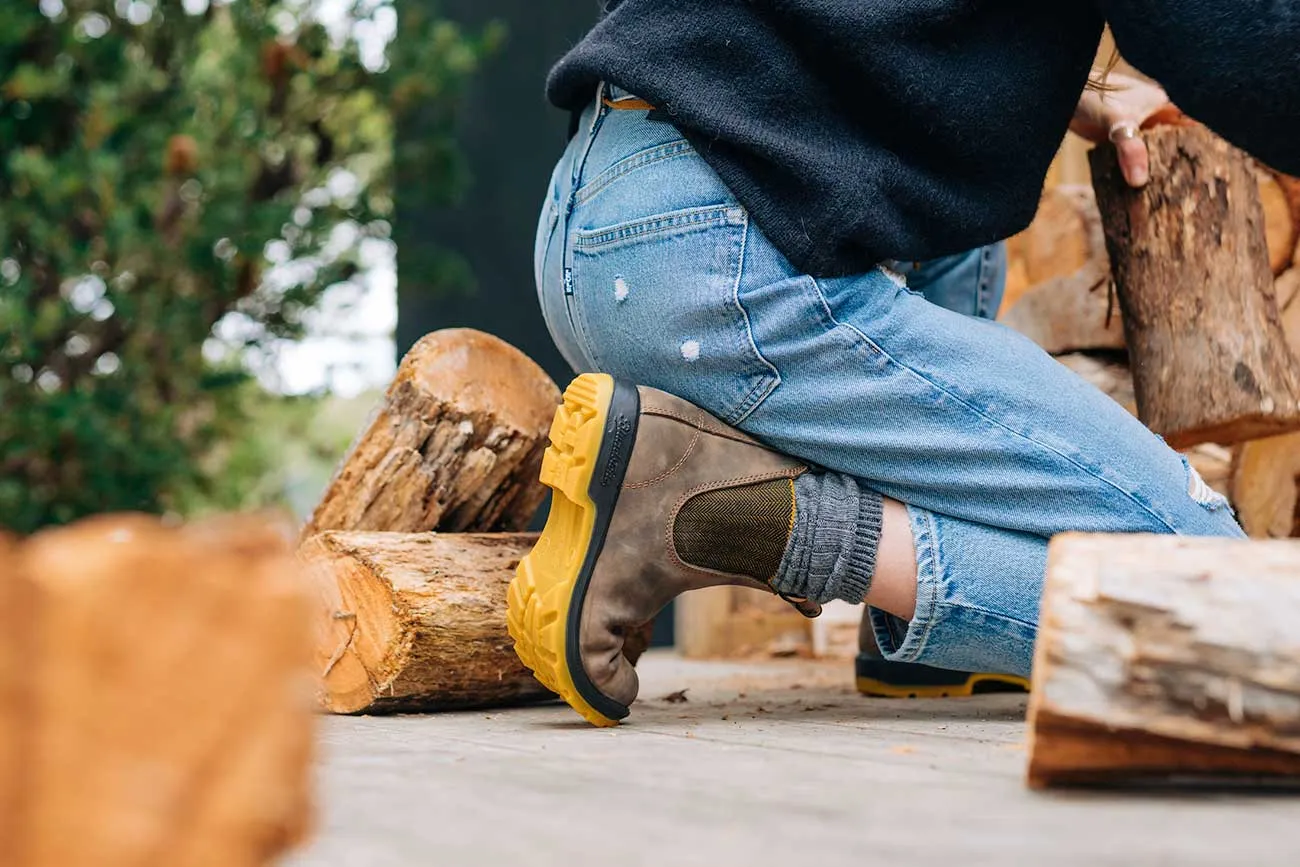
<point x="511" y="138"/>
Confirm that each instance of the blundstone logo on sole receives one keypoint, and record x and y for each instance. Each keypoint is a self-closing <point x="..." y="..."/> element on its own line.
<point x="619" y="429"/>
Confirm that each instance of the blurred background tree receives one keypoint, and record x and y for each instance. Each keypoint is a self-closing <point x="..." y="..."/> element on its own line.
<point x="167" y="166"/>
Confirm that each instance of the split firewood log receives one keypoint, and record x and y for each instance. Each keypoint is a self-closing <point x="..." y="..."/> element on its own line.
<point x="1166" y="656"/>
<point x="455" y="444"/>
<point x="1056" y="243"/>
<point x="1071" y="309"/>
<point x="156" y="695"/>
<point x="417" y="621"/>
<point x="1279" y="196"/>
<point x="1208" y="353"/>
<point x="1266" y="486"/>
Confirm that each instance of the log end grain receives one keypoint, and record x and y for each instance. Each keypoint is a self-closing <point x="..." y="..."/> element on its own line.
<point x="1281" y="217"/>
<point x="1064" y="753"/>
<point x="482" y="375"/>
<point x="359" y="641"/>
<point x="415" y="622"/>
<point x="455" y="444"/>
<point x="1265" y="483"/>
<point x="1240" y="429"/>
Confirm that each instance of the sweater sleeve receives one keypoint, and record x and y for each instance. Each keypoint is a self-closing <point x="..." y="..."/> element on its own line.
<point x="1231" y="64"/>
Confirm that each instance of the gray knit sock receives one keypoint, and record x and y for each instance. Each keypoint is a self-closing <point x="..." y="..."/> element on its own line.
<point x="832" y="551"/>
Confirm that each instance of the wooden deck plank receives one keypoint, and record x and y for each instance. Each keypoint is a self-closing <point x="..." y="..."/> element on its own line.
<point x="849" y="781"/>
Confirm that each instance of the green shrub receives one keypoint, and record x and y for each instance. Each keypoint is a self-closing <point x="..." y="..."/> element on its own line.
<point x="157" y="158"/>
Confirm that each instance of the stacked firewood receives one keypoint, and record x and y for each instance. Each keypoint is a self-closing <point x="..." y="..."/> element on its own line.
<point x="1160" y="656"/>
<point x="416" y="538"/>
<point x="1060" y="293"/>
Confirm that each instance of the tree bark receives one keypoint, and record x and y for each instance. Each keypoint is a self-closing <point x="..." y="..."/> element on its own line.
<point x="417" y="621"/>
<point x="455" y="444"/>
<point x="1209" y="359"/>
<point x="1163" y="656"/>
<point x="160" y="712"/>
<point x="1068" y="307"/>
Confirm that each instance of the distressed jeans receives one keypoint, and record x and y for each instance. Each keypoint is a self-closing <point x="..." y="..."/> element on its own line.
<point x="649" y="269"/>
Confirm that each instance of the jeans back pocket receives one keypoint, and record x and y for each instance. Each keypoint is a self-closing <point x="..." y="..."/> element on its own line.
<point x="655" y="302"/>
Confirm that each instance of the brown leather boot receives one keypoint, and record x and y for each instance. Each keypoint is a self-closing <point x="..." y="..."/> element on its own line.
<point x="652" y="497"/>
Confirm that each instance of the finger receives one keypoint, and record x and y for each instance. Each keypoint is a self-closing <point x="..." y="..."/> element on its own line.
<point x="1134" y="161"/>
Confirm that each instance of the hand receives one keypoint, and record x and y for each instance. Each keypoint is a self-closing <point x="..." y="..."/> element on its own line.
<point x="1116" y="115"/>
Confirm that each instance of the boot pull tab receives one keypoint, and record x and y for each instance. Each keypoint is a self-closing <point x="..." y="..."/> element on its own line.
<point x="806" y="607"/>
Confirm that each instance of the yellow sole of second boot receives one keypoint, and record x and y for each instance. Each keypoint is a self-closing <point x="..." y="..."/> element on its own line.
<point x="543" y="588"/>
<point x="972" y="685"/>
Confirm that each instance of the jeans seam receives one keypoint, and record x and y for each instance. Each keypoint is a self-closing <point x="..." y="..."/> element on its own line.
<point x="995" y="614"/>
<point x="647" y="157"/>
<point x="830" y="323"/>
<point x="759" y="392"/>
<point x="567" y="249"/>
<point x="982" y="294"/>
<point x="1146" y="507"/>
<point x="590" y="241"/>
<point x="928" y="549"/>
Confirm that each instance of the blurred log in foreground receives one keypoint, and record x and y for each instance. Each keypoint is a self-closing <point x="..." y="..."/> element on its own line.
<point x="154" y="695"/>
<point x="1161" y="657"/>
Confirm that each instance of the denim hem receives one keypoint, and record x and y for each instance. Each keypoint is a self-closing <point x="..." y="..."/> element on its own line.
<point x="929" y="613"/>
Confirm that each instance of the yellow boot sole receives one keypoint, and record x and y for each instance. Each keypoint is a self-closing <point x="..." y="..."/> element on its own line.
<point x="591" y="441"/>
<point x="880" y="678"/>
<point x="976" y="684"/>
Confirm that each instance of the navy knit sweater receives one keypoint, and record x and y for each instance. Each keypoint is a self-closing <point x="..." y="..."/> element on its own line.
<point x="857" y="131"/>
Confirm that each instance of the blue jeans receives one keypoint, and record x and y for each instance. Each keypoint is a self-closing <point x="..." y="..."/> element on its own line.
<point x="649" y="269"/>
